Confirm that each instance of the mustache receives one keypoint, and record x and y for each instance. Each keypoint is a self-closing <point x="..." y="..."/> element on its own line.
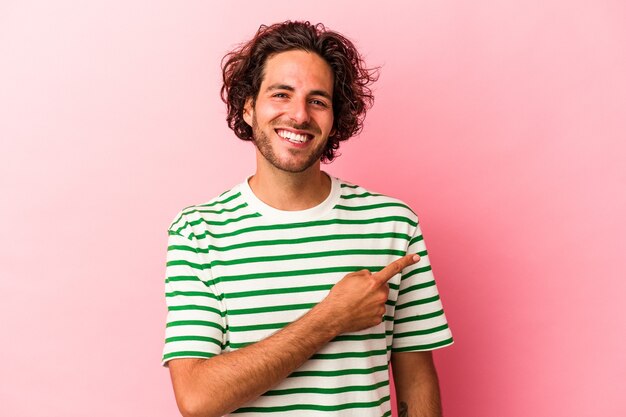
<point x="309" y="127"/>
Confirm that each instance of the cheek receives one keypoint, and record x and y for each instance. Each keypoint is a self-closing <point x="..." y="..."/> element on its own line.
<point x="330" y="124"/>
<point x="267" y="113"/>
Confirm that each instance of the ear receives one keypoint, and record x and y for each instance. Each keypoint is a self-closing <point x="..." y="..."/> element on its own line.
<point x="248" y="111"/>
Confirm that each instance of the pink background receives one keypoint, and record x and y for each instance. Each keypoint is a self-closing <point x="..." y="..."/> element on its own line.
<point x="501" y="123"/>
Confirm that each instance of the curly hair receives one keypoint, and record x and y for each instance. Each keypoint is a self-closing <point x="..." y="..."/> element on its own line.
<point x="243" y="71"/>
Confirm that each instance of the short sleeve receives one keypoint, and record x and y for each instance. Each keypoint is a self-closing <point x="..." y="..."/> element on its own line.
<point x="419" y="320"/>
<point x="195" y="318"/>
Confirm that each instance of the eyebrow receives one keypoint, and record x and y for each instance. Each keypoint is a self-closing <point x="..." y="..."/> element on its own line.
<point x="286" y="87"/>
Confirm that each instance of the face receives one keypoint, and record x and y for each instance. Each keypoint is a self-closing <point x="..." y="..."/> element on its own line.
<point x="292" y="116"/>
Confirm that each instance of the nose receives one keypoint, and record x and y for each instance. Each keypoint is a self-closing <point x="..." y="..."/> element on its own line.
<point x="299" y="112"/>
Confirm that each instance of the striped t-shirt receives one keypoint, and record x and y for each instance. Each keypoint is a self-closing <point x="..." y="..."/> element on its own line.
<point x="239" y="270"/>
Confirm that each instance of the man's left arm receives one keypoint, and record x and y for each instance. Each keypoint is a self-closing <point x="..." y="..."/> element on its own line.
<point x="417" y="385"/>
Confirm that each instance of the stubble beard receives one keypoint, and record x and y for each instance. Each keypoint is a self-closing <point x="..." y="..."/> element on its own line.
<point x="264" y="145"/>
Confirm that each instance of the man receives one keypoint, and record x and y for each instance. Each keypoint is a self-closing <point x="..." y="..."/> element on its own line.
<point x="289" y="294"/>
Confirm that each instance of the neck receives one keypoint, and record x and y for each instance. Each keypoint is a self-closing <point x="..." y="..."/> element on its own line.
<point x="291" y="191"/>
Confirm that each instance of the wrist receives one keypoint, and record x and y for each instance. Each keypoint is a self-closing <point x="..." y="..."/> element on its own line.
<point x="326" y="321"/>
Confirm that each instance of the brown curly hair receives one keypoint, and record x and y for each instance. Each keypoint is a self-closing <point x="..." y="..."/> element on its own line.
<point x="243" y="71"/>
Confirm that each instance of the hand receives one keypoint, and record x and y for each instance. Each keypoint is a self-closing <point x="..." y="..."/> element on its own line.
<point x="358" y="300"/>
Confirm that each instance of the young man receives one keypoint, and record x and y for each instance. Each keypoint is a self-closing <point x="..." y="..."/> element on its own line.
<point x="289" y="294"/>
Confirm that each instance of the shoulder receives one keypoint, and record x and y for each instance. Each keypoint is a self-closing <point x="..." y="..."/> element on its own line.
<point x="357" y="198"/>
<point x="193" y="220"/>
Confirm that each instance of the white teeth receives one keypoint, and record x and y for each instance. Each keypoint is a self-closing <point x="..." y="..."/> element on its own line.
<point x="292" y="137"/>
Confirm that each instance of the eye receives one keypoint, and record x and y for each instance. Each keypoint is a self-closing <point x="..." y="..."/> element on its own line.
<point x="319" y="103"/>
<point x="280" y="95"/>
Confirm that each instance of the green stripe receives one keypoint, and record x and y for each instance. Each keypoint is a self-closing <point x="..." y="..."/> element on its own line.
<point x="299" y="272"/>
<point x="370" y="207"/>
<point x="187" y="353"/>
<point x="315" y="407"/>
<point x="184" y="211"/>
<point x="340" y="372"/>
<point x="419" y="317"/>
<point x="215" y="222"/>
<point x="310" y="239"/>
<point x="349" y="354"/>
<point x="257" y="310"/>
<point x="193" y="338"/>
<point x="194" y="323"/>
<point x="416" y="239"/>
<point x="416" y="271"/>
<point x="358" y="337"/>
<point x="341" y="338"/>
<point x="240" y="345"/>
<point x="189" y="264"/>
<point x="224" y="222"/>
<point x="417" y="287"/>
<point x="193" y="307"/>
<point x="362" y="195"/>
<point x="338" y="390"/>
<point x="275" y="291"/>
<point x="191" y="294"/>
<point x="224" y="201"/>
<point x="182" y="247"/>
<point x="224" y="210"/>
<point x="177" y="278"/>
<point x="309" y="255"/>
<point x="344" y="185"/>
<point x="253" y="327"/>
<point x="418" y="302"/>
<point x="286" y="226"/>
<point x="423" y="347"/>
<point x="421" y="332"/>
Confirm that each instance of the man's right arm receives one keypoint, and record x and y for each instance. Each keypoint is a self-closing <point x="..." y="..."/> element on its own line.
<point x="223" y="383"/>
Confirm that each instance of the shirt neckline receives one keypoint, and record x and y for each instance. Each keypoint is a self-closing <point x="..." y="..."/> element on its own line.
<point x="288" y="216"/>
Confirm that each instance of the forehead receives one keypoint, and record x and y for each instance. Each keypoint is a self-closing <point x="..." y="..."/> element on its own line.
<point x="302" y="70"/>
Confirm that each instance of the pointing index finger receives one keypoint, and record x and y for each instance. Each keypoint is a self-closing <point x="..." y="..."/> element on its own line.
<point x="395" y="267"/>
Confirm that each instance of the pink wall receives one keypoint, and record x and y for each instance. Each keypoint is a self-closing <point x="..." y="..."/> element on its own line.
<point x="502" y="123"/>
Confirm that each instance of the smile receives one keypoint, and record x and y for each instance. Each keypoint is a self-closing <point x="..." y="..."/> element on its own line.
<point x="294" y="137"/>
